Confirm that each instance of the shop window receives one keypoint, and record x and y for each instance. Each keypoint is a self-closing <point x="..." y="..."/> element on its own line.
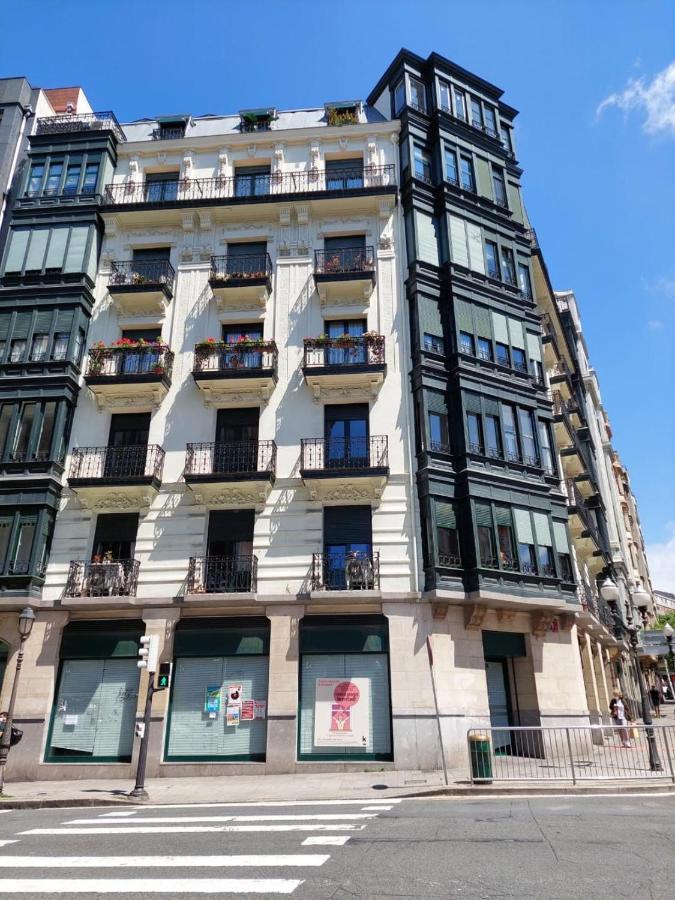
<point x="345" y="706"/>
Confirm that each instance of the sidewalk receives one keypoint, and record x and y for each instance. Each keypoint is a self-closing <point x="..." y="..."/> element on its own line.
<point x="244" y="789"/>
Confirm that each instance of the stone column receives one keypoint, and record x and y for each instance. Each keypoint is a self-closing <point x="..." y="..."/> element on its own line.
<point x="160" y="622"/>
<point x="590" y="683"/>
<point x="282" y="694"/>
<point x="601" y="681"/>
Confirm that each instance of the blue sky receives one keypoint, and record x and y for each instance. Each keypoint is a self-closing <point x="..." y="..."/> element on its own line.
<point x="600" y="187"/>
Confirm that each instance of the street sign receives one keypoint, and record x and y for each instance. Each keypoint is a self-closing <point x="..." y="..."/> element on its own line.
<point x="652" y="643"/>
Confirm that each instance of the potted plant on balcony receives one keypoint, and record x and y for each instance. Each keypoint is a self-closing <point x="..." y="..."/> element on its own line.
<point x="338" y="117"/>
<point x="97" y="356"/>
<point x="138" y="278"/>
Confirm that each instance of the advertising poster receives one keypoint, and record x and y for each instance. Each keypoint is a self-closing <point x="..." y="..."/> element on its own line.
<point x="341" y="712"/>
<point x="212" y="700"/>
<point x="233" y="715"/>
<point x="259" y="709"/>
<point x="247" y="711"/>
<point x="234" y="694"/>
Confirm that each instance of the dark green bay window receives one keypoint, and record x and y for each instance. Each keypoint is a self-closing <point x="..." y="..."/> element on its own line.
<point x="448" y="551"/>
<point x="485" y="534"/>
<point x="25" y="535"/>
<point x="34" y="430"/>
<point x="97" y="693"/>
<point x="339" y="650"/>
<point x="437" y="412"/>
<point x="44" y="335"/>
<point x="45" y="250"/>
<point x="63" y="175"/>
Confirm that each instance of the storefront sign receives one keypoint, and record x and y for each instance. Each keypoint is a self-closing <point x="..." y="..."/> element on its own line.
<point x="212" y="701"/>
<point x="341" y="712"/>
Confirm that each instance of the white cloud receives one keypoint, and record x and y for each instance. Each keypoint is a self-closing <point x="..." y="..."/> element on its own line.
<point x="654" y="324"/>
<point x="662" y="562"/>
<point x="655" y="97"/>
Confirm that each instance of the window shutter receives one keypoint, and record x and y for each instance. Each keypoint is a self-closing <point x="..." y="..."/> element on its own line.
<point x="427" y="239"/>
<point x="464" y="316"/>
<point x="460" y="253"/>
<point x="115" y="716"/>
<point x="515" y="205"/>
<point x="516" y="333"/>
<point x="36" y="249"/>
<point x="57" y="248"/>
<point x="523" y="526"/>
<point x="500" y="328"/>
<point x="483" y="514"/>
<point x="560" y="535"/>
<point x="18" y="242"/>
<point x="472" y="403"/>
<point x="43" y="321"/>
<point x="542" y="529"/>
<point x="491" y="407"/>
<point x="475" y="241"/>
<point x="4" y="325"/>
<point x="483" y="175"/>
<point x="22" y="325"/>
<point x="503" y="515"/>
<point x="445" y="514"/>
<point x="429" y="317"/>
<point x="76" y="248"/>
<point x="64" y="320"/>
<point x="482" y="319"/>
<point x="533" y="347"/>
<point x="436" y="402"/>
<point x="347" y="525"/>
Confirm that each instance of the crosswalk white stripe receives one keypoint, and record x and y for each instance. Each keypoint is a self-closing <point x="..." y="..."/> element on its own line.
<point x="150" y="885"/>
<point x="189" y="829"/>
<point x="270" y="803"/>
<point x="131" y="812"/>
<point x="329" y="840"/>
<point x="168" y="820"/>
<point x="4" y="843"/>
<point x="138" y="862"/>
<point x="378" y="808"/>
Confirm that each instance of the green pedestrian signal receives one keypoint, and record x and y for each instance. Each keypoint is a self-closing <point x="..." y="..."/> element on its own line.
<point x="163" y="676"/>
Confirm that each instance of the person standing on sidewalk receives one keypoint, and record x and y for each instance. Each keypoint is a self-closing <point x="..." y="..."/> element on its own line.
<point x="655" y="697"/>
<point x="618" y="712"/>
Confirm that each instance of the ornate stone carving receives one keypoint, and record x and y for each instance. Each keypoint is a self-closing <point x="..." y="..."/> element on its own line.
<point x="204" y="220"/>
<point x="134" y="169"/>
<point x="343" y="141"/>
<point x="187" y="165"/>
<point x="302" y="214"/>
<point x="506" y="616"/>
<point x="314" y="154"/>
<point x="541" y="622"/>
<point x="223" y="162"/>
<point x="252" y="149"/>
<point x="346" y="492"/>
<point x="474" y="616"/>
<point x="161" y="158"/>
<point x="371" y="150"/>
<point x="187" y="222"/>
<point x="439" y="609"/>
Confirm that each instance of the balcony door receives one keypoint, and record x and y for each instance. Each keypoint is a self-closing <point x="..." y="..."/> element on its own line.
<point x="127" y="444"/>
<point x="346" y="253"/>
<point x="252" y="181"/>
<point x="139" y="361"/>
<point x="347" y="547"/>
<point x="344" y="174"/>
<point x="161" y="187"/>
<point x="248" y="258"/>
<point x="115" y="536"/>
<point x="243" y="358"/>
<point x="354" y="355"/>
<point x="229" y="550"/>
<point x="236" y="447"/>
<point x="346" y="436"/>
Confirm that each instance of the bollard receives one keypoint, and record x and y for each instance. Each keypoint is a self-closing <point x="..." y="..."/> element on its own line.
<point x="481" y="757"/>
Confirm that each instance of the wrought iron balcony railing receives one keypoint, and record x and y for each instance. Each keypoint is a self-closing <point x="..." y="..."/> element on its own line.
<point x="351" y="571"/>
<point x="168" y="134"/>
<point x="274" y="184"/>
<point x="243" y="357"/>
<point x="136" y="463"/>
<point x="95" y="121"/>
<point x="355" y="261"/>
<point x="146" y="273"/>
<point x="222" y="574"/>
<point x="344" y="352"/>
<point x="106" y="578"/>
<point x="231" y="458"/>
<point x="225" y="269"/>
<point x="575" y="499"/>
<point x="140" y="362"/>
<point x="449" y="561"/>
<point x="598" y="607"/>
<point x="351" y="454"/>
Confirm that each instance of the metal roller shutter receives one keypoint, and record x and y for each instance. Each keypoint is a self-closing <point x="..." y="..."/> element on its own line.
<point x="445" y="514"/>
<point x="347" y="524"/>
<point x="483" y="513"/>
<point x="64" y="319"/>
<point x="436" y="402"/>
<point x="483" y="323"/>
<point x="516" y="333"/>
<point x="458" y="245"/>
<point x="22" y="324"/>
<point x="18" y="244"/>
<point x="76" y="249"/>
<point x="523" y="526"/>
<point x="560" y="535"/>
<point x="472" y="403"/>
<point x="464" y="315"/>
<point x="503" y="515"/>
<point x="533" y="347"/>
<point x="500" y="327"/>
<point x="37" y="249"/>
<point x="57" y="248"/>
<point x="429" y="317"/>
<point x="475" y="242"/>
<point x="542" y="529"/>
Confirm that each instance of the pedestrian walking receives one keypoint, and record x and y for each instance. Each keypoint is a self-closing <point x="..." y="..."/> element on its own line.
<point x="618" y="713"/>
<point x="655" y="697"/>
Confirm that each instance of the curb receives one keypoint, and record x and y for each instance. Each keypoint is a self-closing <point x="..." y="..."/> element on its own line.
<point x="62" y="804"/>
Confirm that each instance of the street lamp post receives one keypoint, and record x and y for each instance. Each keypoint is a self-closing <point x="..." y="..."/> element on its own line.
<point x="26" y="620"/>
<point x="642" y="601"/>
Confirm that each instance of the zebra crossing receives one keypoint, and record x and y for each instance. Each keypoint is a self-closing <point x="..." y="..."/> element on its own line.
<point x="257" y="848"/>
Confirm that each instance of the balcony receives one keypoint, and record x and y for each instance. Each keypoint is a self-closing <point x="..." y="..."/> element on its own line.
<point x="112" y="478"/>
<point x="595" y="610"/>
<point x="77" y="123"/>
<point x="222" y="575"/>
<point x="336" y="191"/>
<point x="230" y="475"/>
<point x="337" y="470"/>
<point x="349" y="366"/>
<point x="141" y="288"/>
<point x="131" y="375"/>
<point x="355" y="571"/>
<point x="241" y="374"/>
<point x="102" y="578"/>
<point x="583" y="528"/>
<point x="560" y="379"/>
<point x="241" y="282"/>
<point x="345" y="278"/>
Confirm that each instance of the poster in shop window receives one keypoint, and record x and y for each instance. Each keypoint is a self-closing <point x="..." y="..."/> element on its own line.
<point x="341" y="712"/>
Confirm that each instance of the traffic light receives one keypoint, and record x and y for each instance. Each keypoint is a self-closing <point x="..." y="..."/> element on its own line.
<point x="163" y="676"/>
<point x="139" y="729"/>
<point x="149" y="652"/>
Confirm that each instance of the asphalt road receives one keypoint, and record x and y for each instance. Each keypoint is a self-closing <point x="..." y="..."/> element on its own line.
<point x="556" y="847"/>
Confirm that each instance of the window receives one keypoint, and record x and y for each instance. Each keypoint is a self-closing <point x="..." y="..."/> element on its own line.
<point x="451" y="171"/>
<point x="20" y="563"/>
<point x="434" y="344"/>
<point x="399" y="97"/>
<point x="565" y="563"/>
<point x="503" y="355"/>
<point x="53" y="249"/>
<point x="474" y="432"/>
<point x="53" y="178"/>
<point x="45" y="432"/>
<point x="417" y="95"/>
<point x="476" y="113"/>
<point x="467" y="343"/>
<point x="537" y="371"/>
<point x="252" y="181"/>
<point x="519" y="361"/>
<point x="490" y="120"/>
<point x="60" y="348"/>
<point x="439" y="435"/>
<point x="72" y="178"/>
<point x="37" y="172"/>
<point x="79" y="346"/>
<point x="505" y="538"/>
<point x="23" y="432"/>
<point x="508" y="266"/>
<point x="447" y="535"/>
<point x="545" y="444"/>
<point x="505" y="132"/>
<point x="526" y="419"/>
<point x="17" y="350"/>
<point x="527" y="558"/>
<point x="499" y="186"/>
<point x="6" y="413"/>
<point x="444" y="95"/>
<point x="493" y="438"/>
<point x="460" y="104"/>
<point x="524" y="281"/>
<point x="38" y="350"/>
<point x="486" y="538"/>
<point x="90" y="178"/>
<point x="422" y="164"/>
<point x="484" y="349"/>
<point x="546" y="562"/>
<point x="510" y="433"/>
<point x="492" y="259"/>
<point x="466" y="169"/>
<point x="344" y="174"/>
<point x="346" y="530"/>
<point x="161" y="186"/>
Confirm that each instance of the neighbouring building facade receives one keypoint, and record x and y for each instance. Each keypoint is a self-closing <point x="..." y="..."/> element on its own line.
<point x="277" y="393"/>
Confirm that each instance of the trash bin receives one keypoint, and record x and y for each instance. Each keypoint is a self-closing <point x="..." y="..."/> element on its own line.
<point x="481" y="757"/>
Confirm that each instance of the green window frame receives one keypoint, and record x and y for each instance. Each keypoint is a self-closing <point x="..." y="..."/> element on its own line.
<point x="24" y="534"/>
<point x="49" y="249"/>
<point x="63" y="174"/>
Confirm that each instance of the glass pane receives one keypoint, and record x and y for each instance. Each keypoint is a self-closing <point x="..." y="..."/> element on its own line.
<point x="39" y="348"/>
<point x="60" y="349"/>
<point x="53" y="178"/>
<point x="506" y="554"/>
<point x="503" y="357"/>
<point x="90" y="178"/>
<point x="451" y="173"/>
<point x="486" y="546"/>
<point x="72" y="179"/>
<point x="35" y="180"/>
<point x="438" y="431"/>
<point x="460" y="104"/>
<point x="24" y="543"/>
<point x="5" y="418"/>
<point x="524" y="280"/>
<point x="474" y="429"/>
<point x="492" y="436"/>
<point x="476" y="113"/>
<point x="492" y="259"/>
<point x="484" y="348"/>
<point x="468" y="181"/>
<point x="45" y="440"/>
<point x="22" y="438"/>
<point x="466" y="343"/>
<point x="444" y="91"/>
<point x="507" y="263"/>
<point x="5" y="532"/>
<point x="490" y="121"/>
